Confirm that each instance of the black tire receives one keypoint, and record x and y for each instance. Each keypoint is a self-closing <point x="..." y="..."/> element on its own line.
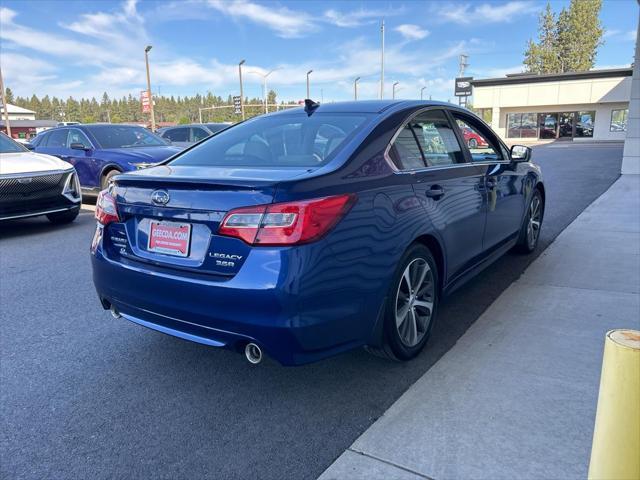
<point x="394" y="346"/>
<point x="67" y="216"/>
<point x="526" y="242"/>
<point x="473" y="143"/>
<point x="107" y="178"/>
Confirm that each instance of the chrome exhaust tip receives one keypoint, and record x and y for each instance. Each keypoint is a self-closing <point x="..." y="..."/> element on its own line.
<point x="253" y="353"/>
<point x="114" y="312"/>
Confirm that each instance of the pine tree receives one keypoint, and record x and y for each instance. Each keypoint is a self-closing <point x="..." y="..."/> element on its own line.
<point x="568" y="43"/>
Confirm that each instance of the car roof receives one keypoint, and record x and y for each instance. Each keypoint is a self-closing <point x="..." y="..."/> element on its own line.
<point x="367" y="106"/>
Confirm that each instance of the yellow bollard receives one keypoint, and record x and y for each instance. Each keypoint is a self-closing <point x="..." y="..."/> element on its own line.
<point x="615" y="454"/>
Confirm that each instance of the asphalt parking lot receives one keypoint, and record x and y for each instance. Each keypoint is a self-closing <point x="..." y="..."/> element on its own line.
<point x="84" y="395"/>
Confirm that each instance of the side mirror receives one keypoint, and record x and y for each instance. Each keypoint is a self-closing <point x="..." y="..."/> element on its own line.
<point x="29" y="146"/>
<point x="78" y="146"/>
<point x="520" y="153"/>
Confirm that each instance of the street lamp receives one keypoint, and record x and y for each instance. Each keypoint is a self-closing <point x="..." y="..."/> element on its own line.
<point x="241" y="91"/>
<point x="393" y="94"/>
<point x="355" y="88"/>
<point x="264" y="84"/>
<point x="308" y="73"/>
<point x="421" y="92"/>
<point x="146" y="59"/>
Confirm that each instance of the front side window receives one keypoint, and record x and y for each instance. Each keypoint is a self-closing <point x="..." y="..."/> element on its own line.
<point x="180" y="134"/>
<point x="427" y="140"/>
<point x="288" y="140"/>
<point x="199" y="134"/>
<point x="124" y="136"/>
<point x="76" y="136"/>
<point x="619" y="120"/>
<point x="481" y="146"/>
<point x="57" y="138"/>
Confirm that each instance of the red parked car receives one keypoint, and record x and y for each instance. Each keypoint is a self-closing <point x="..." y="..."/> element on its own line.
<point x="473" y="139"/>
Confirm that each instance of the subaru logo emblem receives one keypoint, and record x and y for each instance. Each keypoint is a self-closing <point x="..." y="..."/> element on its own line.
<point x="160" y="197"/>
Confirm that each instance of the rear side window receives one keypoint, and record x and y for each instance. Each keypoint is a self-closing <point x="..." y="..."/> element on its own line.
<point x="427" y="140"/>
<point x="57" y="138"/>
<point x="291" y="140"/>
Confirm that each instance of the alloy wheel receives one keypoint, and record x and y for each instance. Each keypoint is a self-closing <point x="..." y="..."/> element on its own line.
<point x="414" y="302"/>
<point x="535" y="219"/>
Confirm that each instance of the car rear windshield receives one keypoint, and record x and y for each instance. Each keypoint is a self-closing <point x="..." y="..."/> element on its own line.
<point x="121" y="136"/>
<point x="9" y="146"/>
<point x="292" y="140"/>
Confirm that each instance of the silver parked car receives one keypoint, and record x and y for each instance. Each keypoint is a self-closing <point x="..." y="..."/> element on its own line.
<point x="187" y="135"/>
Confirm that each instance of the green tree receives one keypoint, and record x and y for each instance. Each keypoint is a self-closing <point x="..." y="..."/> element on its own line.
<point x="567" y="43"/>
<point x="8" y="95"/>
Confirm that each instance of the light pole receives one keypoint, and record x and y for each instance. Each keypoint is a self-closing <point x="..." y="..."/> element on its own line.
<point x="146" y="59"/>
<point x="393" y="95"/>
<point x="421" y="92"/>
<point x="355" y="88"/>
<point x="241" y="90"/>
<point x="264" y="84"/>
<point x="308" y="73"/>
<point x="4" y="106"/>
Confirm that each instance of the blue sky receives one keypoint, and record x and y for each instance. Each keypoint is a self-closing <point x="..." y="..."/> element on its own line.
<point x="74" y="48"/>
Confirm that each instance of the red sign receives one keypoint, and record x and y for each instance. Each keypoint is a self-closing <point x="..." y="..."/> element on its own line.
<point x="169" y="238"/>
<point x="144" y="99"/>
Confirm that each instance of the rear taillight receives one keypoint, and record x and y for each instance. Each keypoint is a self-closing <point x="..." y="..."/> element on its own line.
<point x="106" y="210"/>
<point x="288" y="223"/>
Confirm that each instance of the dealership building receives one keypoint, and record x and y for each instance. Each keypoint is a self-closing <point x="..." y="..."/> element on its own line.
<point x="578" y="106"/>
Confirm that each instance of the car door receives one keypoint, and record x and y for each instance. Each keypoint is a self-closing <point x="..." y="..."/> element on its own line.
<point x="446" y="184"/>
<point x="504" y="185"/>
<point x="55" y="143"/>
<point x="83" y="158"/>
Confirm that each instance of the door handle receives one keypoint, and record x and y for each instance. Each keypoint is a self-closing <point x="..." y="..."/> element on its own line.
<point x="436" y="192"/>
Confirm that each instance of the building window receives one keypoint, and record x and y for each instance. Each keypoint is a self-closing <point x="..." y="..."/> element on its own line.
<point x="619" y="120"/>
<point x="522" y="125"/>
<point x="584" y="124"/>
<point x="485" y="114"/>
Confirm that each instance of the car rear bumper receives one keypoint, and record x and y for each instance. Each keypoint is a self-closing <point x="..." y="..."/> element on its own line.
<point x="260" y="305"/>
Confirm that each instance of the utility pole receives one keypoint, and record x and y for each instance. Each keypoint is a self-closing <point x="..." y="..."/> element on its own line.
<point x="393" y="95"/>
<point x="146" y="59"/>
<point x="308" y="73"/>
<point x="382" y="61"/>
<point x="421" y="92"/>
<point x="4" y="106"/>
<point x="462" y="66"/>
<point x="355" y="88"/>
<point x="241" y="90"/>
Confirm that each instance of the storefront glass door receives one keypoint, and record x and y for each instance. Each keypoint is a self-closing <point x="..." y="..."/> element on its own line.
<point x="566" y="124"/>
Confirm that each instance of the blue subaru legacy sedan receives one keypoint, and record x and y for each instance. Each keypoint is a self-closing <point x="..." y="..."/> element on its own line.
<point x="101" y="151"/>
<point x="309" y="232"/>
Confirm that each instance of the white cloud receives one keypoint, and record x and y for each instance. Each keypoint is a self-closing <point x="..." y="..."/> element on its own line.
<point x="619" y="35"/>
<point x="356" y="18"/>
<point x="478" y="14"/>
<point x="412" y="32"/>
<point x="285" y="22"/>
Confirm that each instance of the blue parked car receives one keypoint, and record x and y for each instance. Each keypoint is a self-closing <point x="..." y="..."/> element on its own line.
<point x="305" y="233"/>
<point x="101" y="151"/>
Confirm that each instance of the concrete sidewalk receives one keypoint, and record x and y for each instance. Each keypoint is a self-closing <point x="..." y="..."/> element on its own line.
<point x="516" y="396"/>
